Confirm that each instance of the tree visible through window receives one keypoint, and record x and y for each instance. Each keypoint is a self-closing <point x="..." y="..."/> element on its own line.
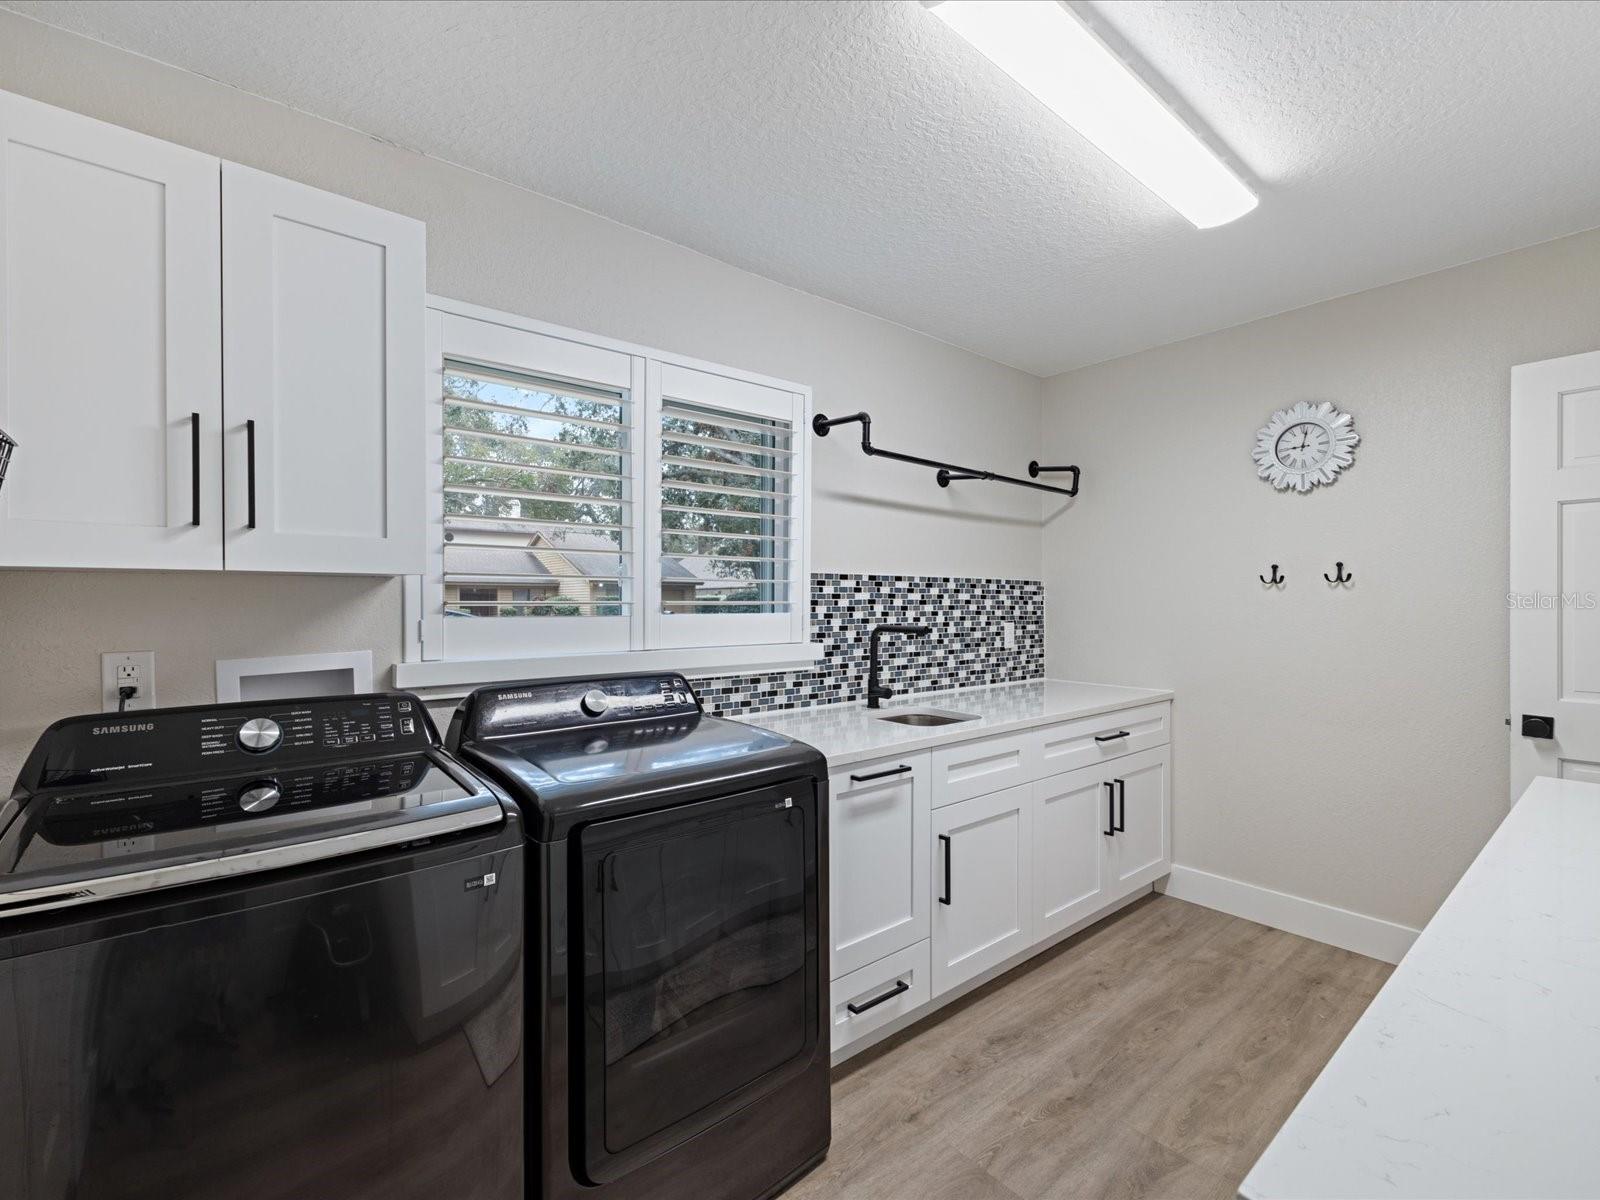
<point x="726" y="488"/>
<point x="535" y="503"/>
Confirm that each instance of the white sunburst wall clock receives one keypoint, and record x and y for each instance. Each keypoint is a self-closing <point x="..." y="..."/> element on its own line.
<point x="1305" y="446"/>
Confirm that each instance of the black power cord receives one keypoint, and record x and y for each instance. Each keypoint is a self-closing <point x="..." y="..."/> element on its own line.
<point x="125" y="693"/>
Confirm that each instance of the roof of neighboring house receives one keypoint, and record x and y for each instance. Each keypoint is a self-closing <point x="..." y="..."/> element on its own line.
<point x="591" y="555"/>
<point x="482" y="560"/>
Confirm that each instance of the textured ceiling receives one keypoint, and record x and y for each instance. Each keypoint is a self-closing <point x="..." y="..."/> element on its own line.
<point x="860" y="151"/>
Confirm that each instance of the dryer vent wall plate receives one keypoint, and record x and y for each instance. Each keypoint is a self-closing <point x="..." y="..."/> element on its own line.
<point x="293" y="676"/>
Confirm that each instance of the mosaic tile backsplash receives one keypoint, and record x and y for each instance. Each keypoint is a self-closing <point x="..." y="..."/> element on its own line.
<point x="965" y="648"/>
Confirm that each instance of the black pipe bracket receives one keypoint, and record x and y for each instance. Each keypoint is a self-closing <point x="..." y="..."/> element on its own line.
<point x="945" y="473"/>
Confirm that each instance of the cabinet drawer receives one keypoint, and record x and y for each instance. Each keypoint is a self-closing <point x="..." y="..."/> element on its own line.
<point x="1091" y="740"/>
<point x="880" y="992"/>
<point x="977" y="768"/>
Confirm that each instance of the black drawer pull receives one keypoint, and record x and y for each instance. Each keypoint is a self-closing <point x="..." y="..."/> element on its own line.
<point x="880" y="774"/>
<point x="194" y="468"/>
<point x="899" y="989"/>
<point x="1122" y="806"/>
<point x="945" y="899"/>
<point x="1111" y="737"/>
<point x="1111" y="810"/>
<point x="250" y="472"/>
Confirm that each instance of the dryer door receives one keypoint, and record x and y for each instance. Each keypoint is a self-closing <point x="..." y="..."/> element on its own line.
<point x="701" y="972"/>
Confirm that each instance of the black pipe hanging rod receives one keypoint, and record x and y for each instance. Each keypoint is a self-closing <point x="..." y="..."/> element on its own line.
<point x="947" y="473"/>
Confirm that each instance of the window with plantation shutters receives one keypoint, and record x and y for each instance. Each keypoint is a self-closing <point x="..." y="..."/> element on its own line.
<point x="535" y="496"/>
<point x="726" y="510"/>
<point x="592" y="498"/>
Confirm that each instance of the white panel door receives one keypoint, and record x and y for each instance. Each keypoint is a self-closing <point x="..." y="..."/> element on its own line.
<point x="1555" y="567"/>
<point x="1141" y="850"/>
<point x="1071" y="832"/>
<point x="878" y="821"/>
<point x="110" y="345"/>
<point x="323" y="380"/>
<point x="983" y="895"/>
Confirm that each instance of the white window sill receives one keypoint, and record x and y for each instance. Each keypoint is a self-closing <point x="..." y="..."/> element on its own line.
<point x="447" y="678"/>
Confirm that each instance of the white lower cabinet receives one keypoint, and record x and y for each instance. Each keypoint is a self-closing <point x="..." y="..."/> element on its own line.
<point x="948" y="864"/>
<point x="1141" y="851"/>
<point x="983" y="863"/>
<point x="878" y="860"/>
<point x="869" y="999"/>
<point x="1071" y="842"/>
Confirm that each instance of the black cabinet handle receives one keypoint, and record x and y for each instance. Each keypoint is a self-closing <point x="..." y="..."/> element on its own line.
<point x="1111" y="810"/>
<point x="250" y="471"/>
<point x="194" y="468"/>
<point x="1122" y="806"/>
<point x="1111" y="737"/>
<point x="945" y="899"/>
<point x="900" y="988"/>
<point x="880" y="774"/>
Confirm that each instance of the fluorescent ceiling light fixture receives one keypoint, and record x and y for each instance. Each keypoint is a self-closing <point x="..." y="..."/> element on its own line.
<point x="1046" y="48"/>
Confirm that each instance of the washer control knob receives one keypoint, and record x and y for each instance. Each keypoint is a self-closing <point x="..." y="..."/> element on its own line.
<point x="260" y="734"/>
<point x="595" y="702"/>
<point x="259" y="797"/>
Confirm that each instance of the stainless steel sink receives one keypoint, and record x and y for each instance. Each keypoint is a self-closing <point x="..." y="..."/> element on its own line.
<point x="927" y="716"/>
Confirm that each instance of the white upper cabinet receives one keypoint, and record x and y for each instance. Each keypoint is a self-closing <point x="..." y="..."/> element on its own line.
<point x="110" y="349"/>
<point x="323" y="375"/>
<point x="162" y="315"/>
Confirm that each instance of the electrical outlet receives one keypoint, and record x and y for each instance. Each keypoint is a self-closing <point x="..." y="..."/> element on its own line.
<point x="1010" y="630"/>
<point x="127" y="668"/>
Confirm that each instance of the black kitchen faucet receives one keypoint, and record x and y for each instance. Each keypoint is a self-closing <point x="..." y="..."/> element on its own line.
<point x="875" y="690"/>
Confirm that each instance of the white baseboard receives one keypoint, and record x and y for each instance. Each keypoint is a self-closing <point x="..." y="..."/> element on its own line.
<point x="1372" y="936"/>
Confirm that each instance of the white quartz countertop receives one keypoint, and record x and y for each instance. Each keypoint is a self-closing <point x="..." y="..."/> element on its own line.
<point x="1475" y="1072"/>
<point x="852" y="733"/>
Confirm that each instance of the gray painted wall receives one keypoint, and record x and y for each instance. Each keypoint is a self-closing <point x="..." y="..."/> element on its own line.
<point x="1343" y="746"/>
<point x="494" y="244"/>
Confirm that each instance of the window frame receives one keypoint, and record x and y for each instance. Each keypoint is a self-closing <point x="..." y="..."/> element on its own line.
<point x="456" y="330"/>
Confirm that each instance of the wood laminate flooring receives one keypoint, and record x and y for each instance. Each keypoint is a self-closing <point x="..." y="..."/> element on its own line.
<point x="1152" y="1055"/>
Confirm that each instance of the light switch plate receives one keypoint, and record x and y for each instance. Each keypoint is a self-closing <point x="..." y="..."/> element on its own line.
<point x="136" y="667"/>
<point x="1010" y="628"/>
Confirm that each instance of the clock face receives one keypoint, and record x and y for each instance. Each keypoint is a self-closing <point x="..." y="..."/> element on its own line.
<point x="1305" y="446"/>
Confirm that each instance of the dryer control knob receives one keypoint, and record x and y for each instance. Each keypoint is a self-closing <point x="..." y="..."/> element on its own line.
<point x="260" y="734"/>
<point x="259" y="797"/>
<point x="595" y="702"/>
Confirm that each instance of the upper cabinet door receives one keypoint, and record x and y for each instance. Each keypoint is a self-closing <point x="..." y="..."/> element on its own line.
<point x="110" y="376"/>
<point x="323" y="373"/>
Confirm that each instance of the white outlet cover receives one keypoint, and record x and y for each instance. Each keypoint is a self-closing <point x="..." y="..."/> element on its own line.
<point x="1010" y="629"/>
<point x="118" y="667"/>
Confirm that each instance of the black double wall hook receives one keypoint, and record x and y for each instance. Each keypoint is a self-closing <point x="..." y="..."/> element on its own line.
<point x="1277" y="579"/>
<point x="1339" y="575"/>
